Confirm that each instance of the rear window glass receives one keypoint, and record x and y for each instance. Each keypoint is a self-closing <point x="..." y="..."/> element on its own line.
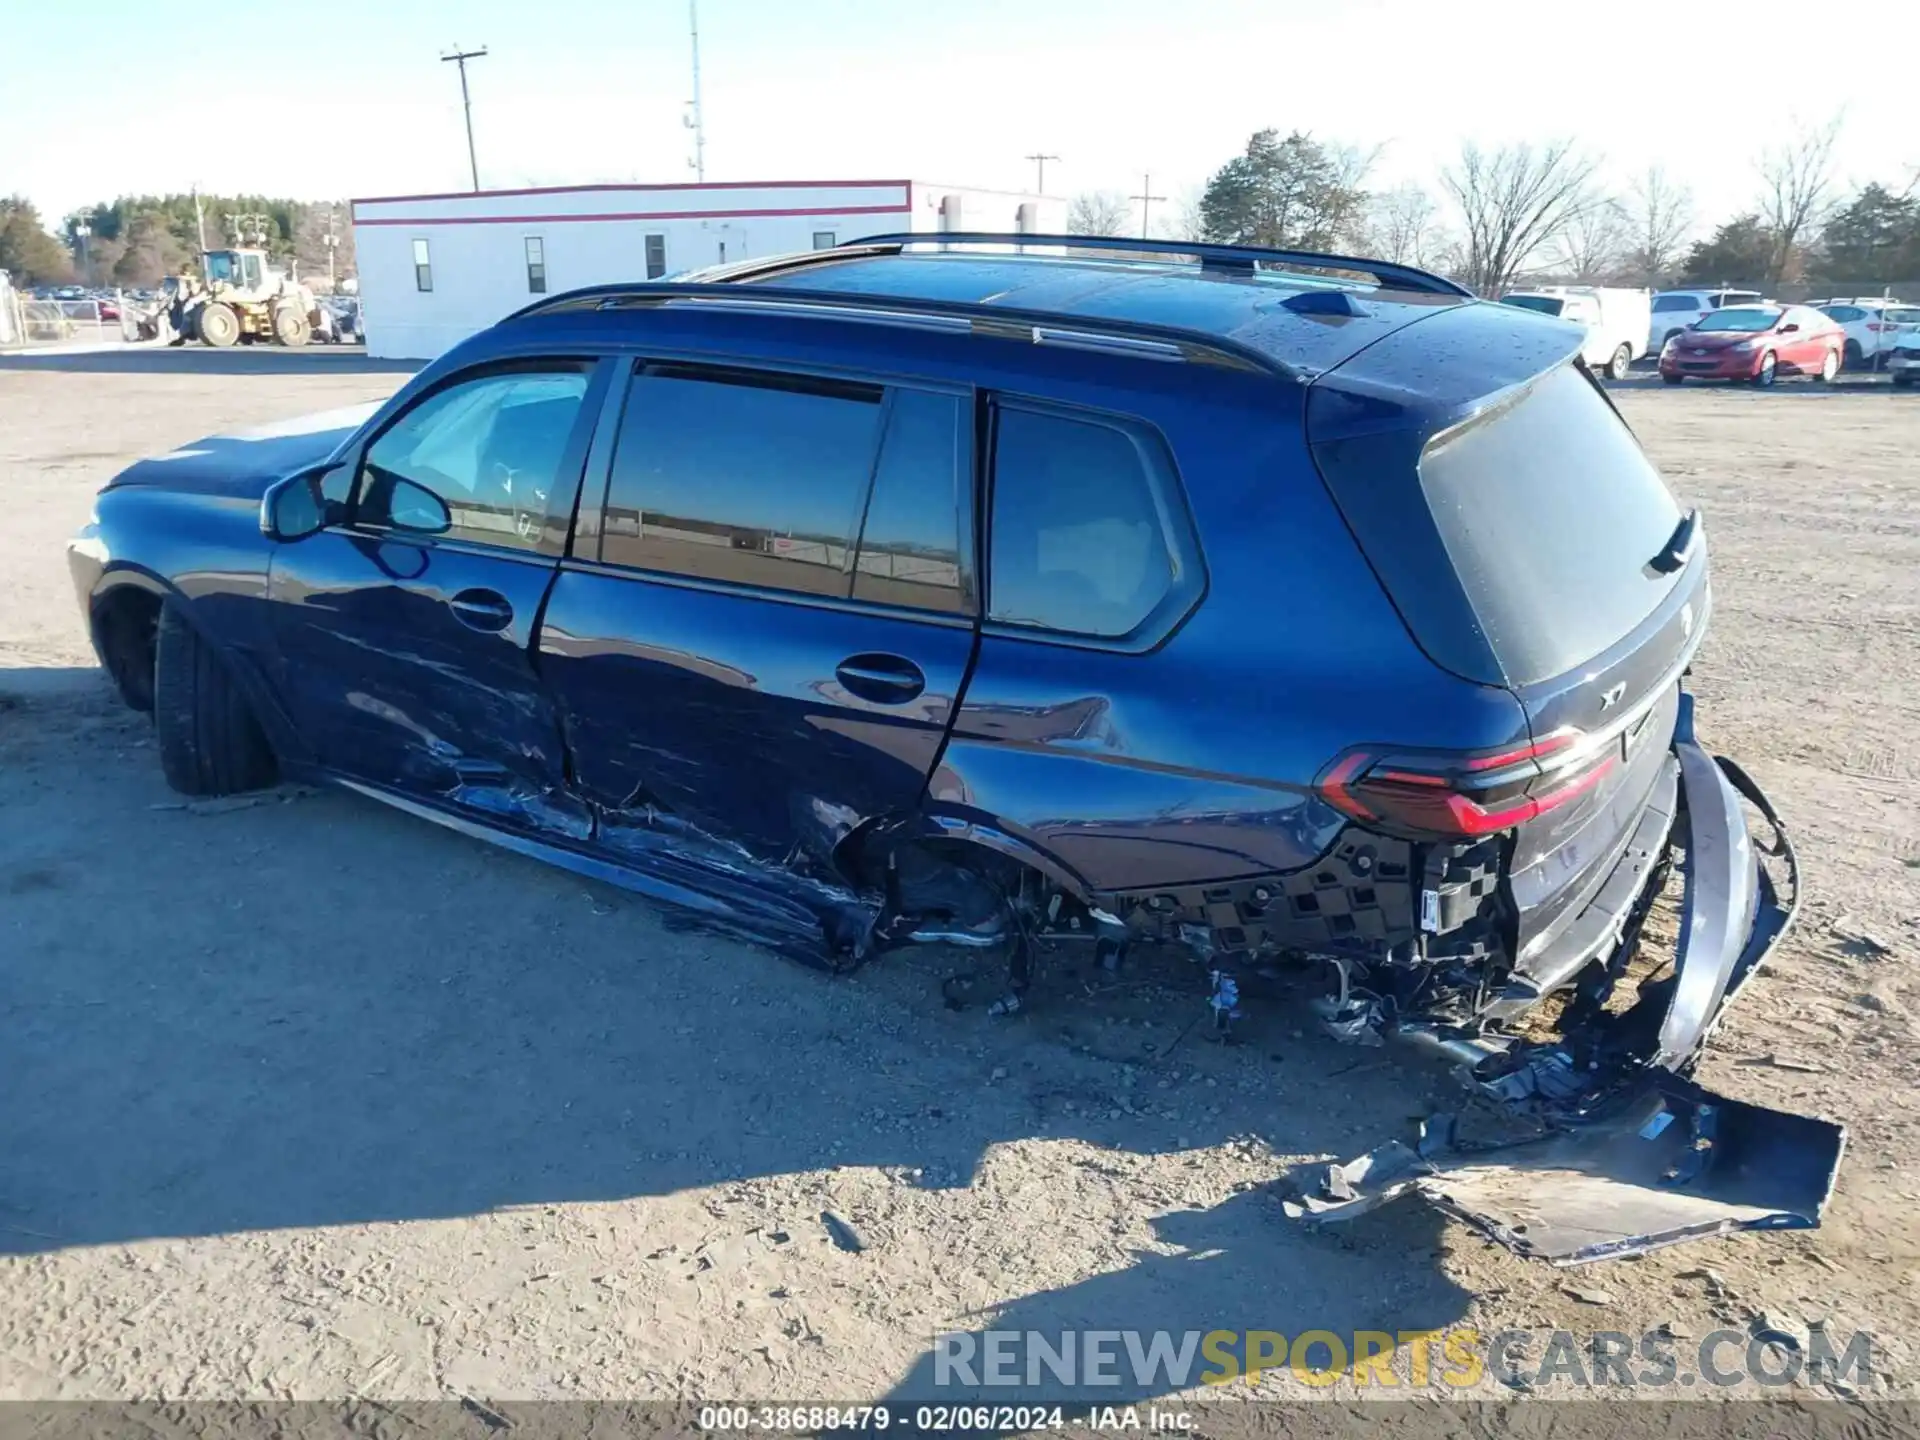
<point x="1902" y="315"/>
<point x="1545" y="304"/>
<point x="1844" y="313"/>
<point x="1676" y="302"/>
<point x="1549" y="512"/>
<point x="1749" y="320"/>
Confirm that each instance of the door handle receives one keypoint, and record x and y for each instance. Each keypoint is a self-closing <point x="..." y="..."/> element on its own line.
<point x="486" y="610"/>
<point x="883" y="679"/>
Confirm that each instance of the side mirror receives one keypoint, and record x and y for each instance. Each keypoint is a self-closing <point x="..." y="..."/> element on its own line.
<point x="296" y="507"/>
<point x="416" y="508"/>
<point x="1789" y="328"/>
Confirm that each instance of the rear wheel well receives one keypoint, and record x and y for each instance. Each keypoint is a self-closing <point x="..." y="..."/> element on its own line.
<point x="125" y="622"/>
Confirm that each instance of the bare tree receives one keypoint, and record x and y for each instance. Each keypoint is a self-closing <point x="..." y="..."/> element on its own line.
<point x="1403" y="225"/>
<point x="1098" y="212"/>
<point x="1513" y="203"/>
<point x="1659" y="216"/>
<point x="1796" y="192"/>
<point x="1189" y="222"/>
<point x="1592" y="246"/>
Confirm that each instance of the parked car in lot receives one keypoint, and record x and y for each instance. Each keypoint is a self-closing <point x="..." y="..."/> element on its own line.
<point x="1755" y="343"/>
<point x="1870" y="326"/>
<point x="1674" y="310"/>
<point x="1903" y="355"/>
<point x="885" y="595"/>
<point x="1616" y="320"/>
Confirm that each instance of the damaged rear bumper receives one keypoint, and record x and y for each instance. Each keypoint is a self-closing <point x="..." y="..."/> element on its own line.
<point x="1637" y="1153"/>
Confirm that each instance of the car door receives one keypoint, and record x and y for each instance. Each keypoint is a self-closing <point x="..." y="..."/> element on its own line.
<point x="405" y="631"/>
<point x="767" y="621"/>
<point x="1803" y="338"/>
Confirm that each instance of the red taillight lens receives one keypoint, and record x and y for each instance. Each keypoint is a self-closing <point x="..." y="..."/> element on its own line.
<point x="1464" y="796"/>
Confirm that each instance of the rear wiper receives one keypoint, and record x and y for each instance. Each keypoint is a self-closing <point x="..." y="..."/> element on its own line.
<point x="1679" y="547"/>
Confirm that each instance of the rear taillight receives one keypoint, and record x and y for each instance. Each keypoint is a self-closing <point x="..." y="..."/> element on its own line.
<point x="1464" y="796"/>
<point x="1876" y="326"/>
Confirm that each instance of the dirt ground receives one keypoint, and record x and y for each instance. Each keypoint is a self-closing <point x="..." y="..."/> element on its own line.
<point x="309" y="1099"/>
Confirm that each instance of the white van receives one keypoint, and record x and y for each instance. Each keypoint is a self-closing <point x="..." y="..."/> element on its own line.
<point x="1618" y="321"/>
<point x="1675" y="310"/>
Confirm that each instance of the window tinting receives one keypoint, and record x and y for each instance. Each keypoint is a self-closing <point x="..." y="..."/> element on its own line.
<point x="1549" y="512"/>
<point x="422" y="267"/>
<point x="1676" y="302"/>
<point x="491" y="449"/>
<point x="656" y="256"/>
<point x="1545" y="304"/>
<point x="918" y="519"/>
<point x="536" y="266"/>
<point x="1845" y="313"/>
<point x="756" y="479"/>
<point x="1078" y="541"/>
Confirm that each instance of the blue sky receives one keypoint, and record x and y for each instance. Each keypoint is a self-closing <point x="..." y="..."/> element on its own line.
<point x="953" y="90"/>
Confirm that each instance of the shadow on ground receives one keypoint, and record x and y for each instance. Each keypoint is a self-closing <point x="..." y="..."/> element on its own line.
<point x="198" y="360"/>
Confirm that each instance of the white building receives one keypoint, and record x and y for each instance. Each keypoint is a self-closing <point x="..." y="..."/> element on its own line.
<point x="435" y="268"/>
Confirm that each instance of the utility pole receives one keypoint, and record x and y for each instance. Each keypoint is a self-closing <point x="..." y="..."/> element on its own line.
<point x="332" y="240"/>
<point x="1040" y="178"/>
<point x="460" y="58"/>
<point x="83" y="227"/>
<point x="697" y="120"/>
<point x="1146" y="197"/>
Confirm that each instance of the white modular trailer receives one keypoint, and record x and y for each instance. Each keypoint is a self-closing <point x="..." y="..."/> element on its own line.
<point x="434" y="269"/>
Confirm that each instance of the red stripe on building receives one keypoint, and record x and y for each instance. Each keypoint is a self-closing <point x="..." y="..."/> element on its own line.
<point x="826" y="213"/>
<point x="682" y="185"/>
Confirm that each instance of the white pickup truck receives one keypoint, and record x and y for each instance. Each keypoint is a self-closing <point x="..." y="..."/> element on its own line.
<point x="1617" y="320"/>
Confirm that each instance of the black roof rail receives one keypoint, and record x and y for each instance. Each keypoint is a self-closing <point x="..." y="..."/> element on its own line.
<point x="1234" y="257"/>
<point x="1037" y="327"/>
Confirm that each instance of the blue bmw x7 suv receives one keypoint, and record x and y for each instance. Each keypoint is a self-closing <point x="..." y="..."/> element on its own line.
<point x="977" y="589"/>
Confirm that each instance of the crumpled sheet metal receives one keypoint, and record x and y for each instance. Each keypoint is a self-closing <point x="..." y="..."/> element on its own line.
<point x="1673" y="1162"/>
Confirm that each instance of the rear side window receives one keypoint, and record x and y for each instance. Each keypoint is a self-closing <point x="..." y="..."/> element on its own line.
<point x="744" y="477"/>
<point x="1079" y="538"/>
<point x="916" y="541"/>
<point x="1549" y="511"/>
<point x="1845" y="313"/>
<point x="1676" y="302"/>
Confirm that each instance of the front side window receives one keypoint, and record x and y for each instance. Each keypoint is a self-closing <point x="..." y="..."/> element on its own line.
<point x="656" y="256"/>
<point x="745" y="477"/>
<point x="422" y="267"/>
<point x="536" y="265"/>
<point x="1079" y="543"/>
<point x="490" y="451"/>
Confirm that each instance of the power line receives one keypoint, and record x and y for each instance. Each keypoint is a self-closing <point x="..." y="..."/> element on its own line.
<point x="1040" y="180"/>
<point x="1146" y="197"/>
<point x="460" y="58"/>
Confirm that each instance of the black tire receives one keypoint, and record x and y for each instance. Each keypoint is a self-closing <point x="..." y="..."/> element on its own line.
<point x="210" y="744"/>
<point x="218" y="325"/>
<point x="1671" y="379"/>
<point x="1619" y="363"/>
<point x="1829" y="367"/>
<point x="1668" y="336"/>
<point x="1903" y="379"/>
<point x="1769" y="369"/>
<point x="1854" y="355"/>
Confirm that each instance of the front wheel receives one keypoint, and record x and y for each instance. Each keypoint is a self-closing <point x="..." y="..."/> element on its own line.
<point x="1829" y="366"/>
<point x="1617" y="366"/>
<point x="1671" y="379"/>
<point x="218" y="325"/>
<point x="1903" y="379"/>
<point x="290" y="326"/>
<point x="1763" y="377"/>
<point x="210" y="743"/>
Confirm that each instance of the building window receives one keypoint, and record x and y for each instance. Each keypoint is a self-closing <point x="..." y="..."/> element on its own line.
<point x="823" y="240"/>
<point x="656" y="256"/>
<point x="422" y="267"/>
<point x="536" y="266"/>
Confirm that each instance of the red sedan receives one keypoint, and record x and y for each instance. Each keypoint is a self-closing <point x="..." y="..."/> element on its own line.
<point x="1755" y="343"/>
